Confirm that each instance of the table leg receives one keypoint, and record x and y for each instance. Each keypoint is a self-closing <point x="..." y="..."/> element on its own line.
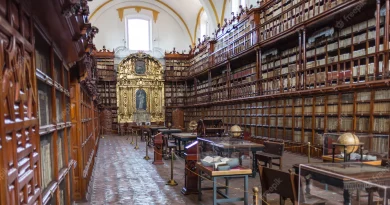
<point x="199" y="186"/>
<point x="307" y="179"/>
<point x="184" y="145"/>
<point x="227" y="186"/>
<point x="179" y="142"/>
<point x="246" y="190"/>
<point x="347" y="197"/>
<point x="254" y="167"/>
<point x="214" y="190"/>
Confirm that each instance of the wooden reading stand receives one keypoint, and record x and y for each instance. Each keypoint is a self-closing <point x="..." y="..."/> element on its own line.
<point x="158" y="147"/>
<point x="190" y="177"/>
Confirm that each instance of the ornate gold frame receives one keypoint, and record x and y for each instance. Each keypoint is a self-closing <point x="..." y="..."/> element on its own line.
<point x="129" y="82"/>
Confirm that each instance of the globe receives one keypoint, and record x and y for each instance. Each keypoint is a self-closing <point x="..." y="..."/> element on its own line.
<point x="236" y="130"/>
<point x="348" y="139"/>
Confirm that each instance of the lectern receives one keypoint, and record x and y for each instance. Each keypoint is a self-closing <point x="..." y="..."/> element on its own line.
<point x="158" y="146"/>
<point x="190" y="176"/>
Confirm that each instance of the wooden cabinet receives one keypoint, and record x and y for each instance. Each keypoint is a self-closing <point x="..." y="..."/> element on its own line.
<point x="38" y="54"/>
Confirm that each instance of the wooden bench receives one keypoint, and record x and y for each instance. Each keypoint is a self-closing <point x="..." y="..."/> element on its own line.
<point x="272" y="151"/>
<point x="285" y="184"/>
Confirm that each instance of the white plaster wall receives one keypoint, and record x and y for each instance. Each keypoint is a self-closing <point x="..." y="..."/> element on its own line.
<point x="166" y="32"/>
<point x="228" y="8"/>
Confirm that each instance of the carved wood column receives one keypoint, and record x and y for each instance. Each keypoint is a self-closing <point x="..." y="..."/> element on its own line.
<point x="386" y="40"/>
<point x="299" y="73"/>
<point x="228" y="80"/>
<point x="377" y="39"/>
<point x="304" y="56"/>
<point x="259" y="86"/>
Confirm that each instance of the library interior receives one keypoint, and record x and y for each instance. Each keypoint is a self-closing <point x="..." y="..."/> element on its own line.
<point x="194" y="102"/>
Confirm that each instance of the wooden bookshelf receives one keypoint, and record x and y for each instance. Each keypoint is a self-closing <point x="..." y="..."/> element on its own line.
<point x="299" y="74"/>
<point x="176" y="69"/>
<point x="106" y="87"/>
<point x="38" y="54"/>
<point x="53" y="80"/>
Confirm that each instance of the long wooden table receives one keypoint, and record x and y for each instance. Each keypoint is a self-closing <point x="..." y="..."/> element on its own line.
<point x="347" y="176"/>
<point x="237" y="172"/>
<point x="183" y="137"/>
<point x="155" y="129"/>
<point x="223" y="145"/>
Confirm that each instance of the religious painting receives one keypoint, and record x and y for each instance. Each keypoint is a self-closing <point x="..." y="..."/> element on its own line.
<point x="140" y="67"/>
<point x="140" y="99"/>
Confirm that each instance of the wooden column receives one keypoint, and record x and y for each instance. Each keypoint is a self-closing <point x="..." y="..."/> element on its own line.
<point x="298" y="73"/>
<point x="377" y="39"/>
<point x="259" y="87"/>
<point x="209" y="86"/>
<point x="304" y="56"/>
<point x="228" y="80"/>
<point x="386" y="40"/>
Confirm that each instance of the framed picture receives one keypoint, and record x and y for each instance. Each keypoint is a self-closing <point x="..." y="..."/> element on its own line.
<point x="140" y="67"/>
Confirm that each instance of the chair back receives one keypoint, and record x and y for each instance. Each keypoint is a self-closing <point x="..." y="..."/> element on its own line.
<point x="273" y="148"/>
<point x="278" y="182"/>
<point x="385" y="163"/>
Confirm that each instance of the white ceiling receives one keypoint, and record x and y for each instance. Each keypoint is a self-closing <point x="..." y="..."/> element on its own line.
<point x="187" y="9"/>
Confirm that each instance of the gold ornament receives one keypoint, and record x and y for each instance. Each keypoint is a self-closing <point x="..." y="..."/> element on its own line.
<point x="348" y="139"/>
<point x="129" y="81"/>
<point x="236" y="130"/>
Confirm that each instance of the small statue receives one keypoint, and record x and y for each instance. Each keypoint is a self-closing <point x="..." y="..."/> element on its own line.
<point x="258" y="4"/>
<point x="241" y="10"/>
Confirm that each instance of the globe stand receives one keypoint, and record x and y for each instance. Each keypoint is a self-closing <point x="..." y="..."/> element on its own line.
<point x="172" y="182"/>
<point x="347" y="157"/>
<point x="136" y="143"/>
<point x="147" y="155"/>
<point x="132" y="140"/>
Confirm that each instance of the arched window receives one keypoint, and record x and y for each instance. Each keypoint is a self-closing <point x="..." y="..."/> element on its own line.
<point x="138" y="34"/>
<point x="204" y="25"/>
<point x="236" y="5"/>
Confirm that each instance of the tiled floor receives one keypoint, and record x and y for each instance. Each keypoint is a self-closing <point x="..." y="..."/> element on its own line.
<point x="123" y="177"/>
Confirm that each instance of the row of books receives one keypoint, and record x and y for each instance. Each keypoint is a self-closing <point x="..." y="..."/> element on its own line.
<point x="298" y="14"/>
<point x="46" y="160"/>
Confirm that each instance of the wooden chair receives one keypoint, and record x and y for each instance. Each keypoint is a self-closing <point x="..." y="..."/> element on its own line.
<point x="285" y="184"/>
<point x="271" y="151"/>
<point x="277" y="182"/>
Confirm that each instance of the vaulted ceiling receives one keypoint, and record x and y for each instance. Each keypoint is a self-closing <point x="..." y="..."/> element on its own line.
<point x="185" y="12"/>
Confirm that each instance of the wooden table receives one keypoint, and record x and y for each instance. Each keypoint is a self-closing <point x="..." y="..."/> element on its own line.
<point x="222" y="145"/>
<point x="328" y="158"/>
<point x="169" y="132"/>
<point x="238" y="172"/>
<point x="347" y="176"/>
<point x="155" y="129"/>
<point x="183" y="137"/>
<point x="150" y="130"/>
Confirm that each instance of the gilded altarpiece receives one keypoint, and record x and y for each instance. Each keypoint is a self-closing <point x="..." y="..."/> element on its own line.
<point x="140" y="88"/>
